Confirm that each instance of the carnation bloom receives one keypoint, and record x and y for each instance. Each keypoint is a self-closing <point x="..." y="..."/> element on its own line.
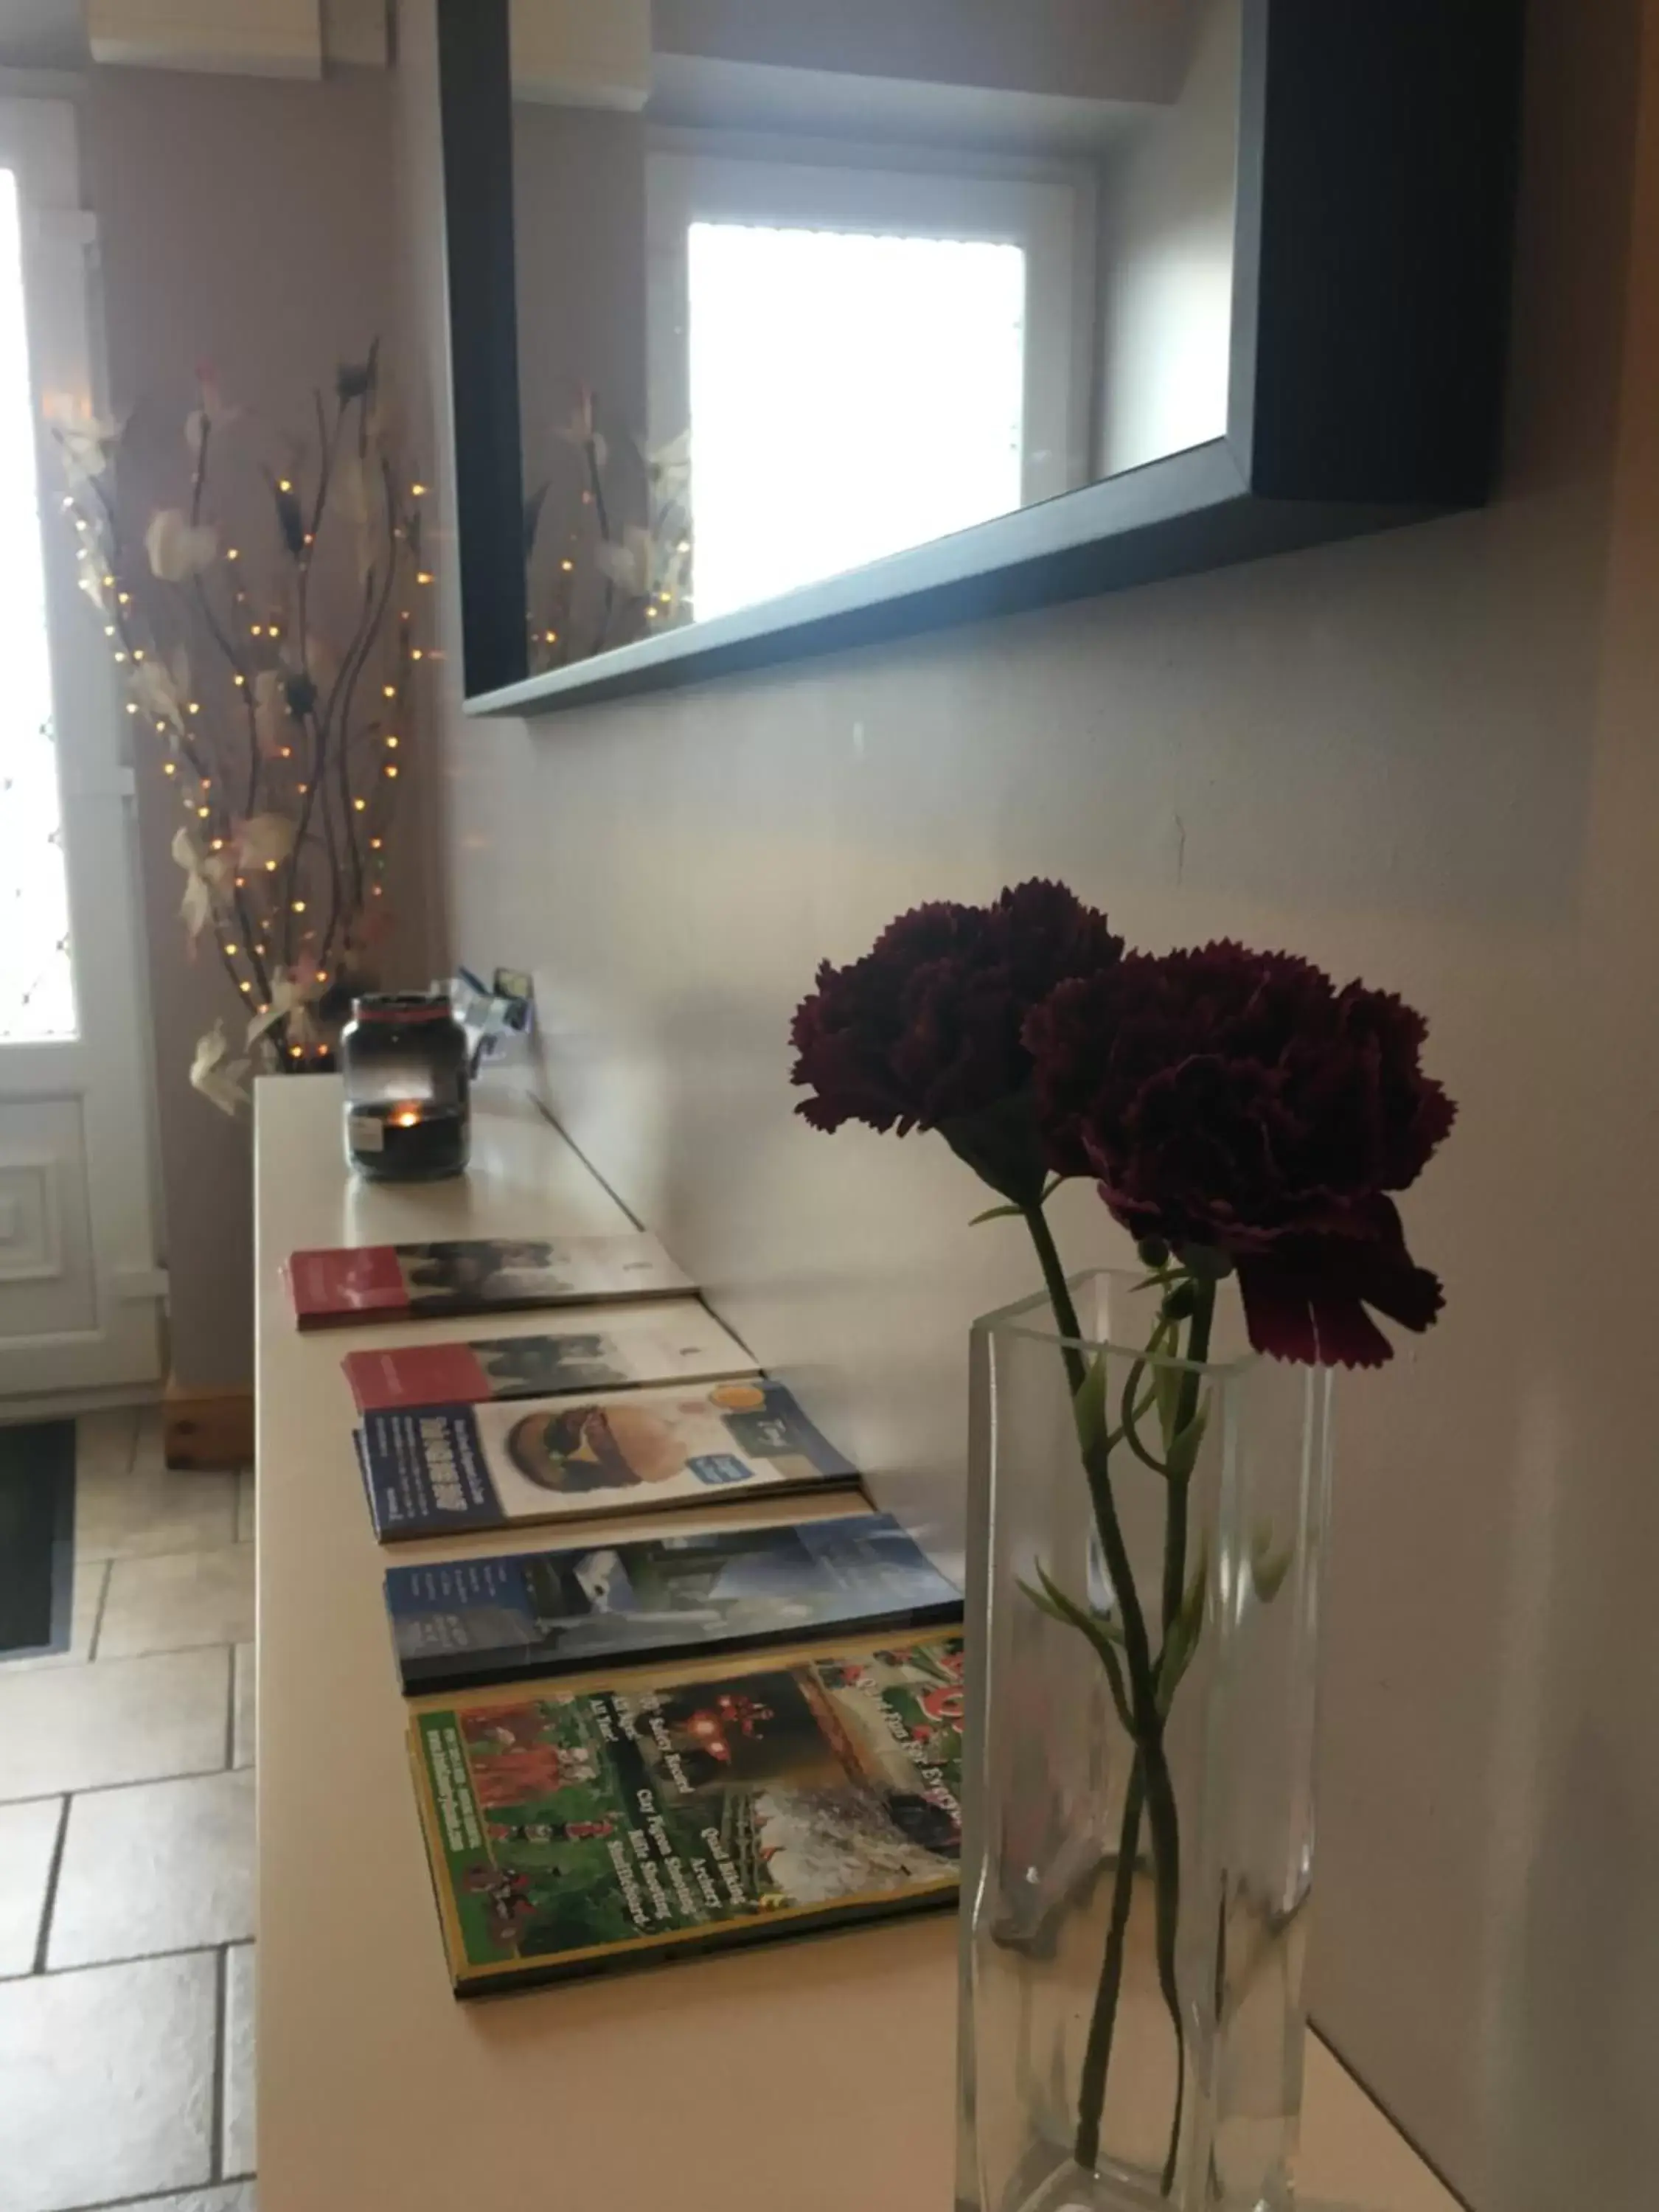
<point x="1237" y="1103"/>
<point x="925" y="1031"/>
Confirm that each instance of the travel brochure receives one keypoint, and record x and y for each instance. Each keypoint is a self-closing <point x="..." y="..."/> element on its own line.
<point x="575" y="1828"/>
<point x="459" y="1622"/>
<point x="626" y="1748"/>
<point x="399" y="1282"/>
<point x="599" y="1348"/>
<point x="431" y="1471"/>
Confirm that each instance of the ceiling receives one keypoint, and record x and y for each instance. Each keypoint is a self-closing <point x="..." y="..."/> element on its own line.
<point x="42" y="35"/>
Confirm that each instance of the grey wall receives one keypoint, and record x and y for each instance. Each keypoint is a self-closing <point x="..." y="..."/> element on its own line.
<point x="1086" y="49"/>
<point x="1428" y="759"/>
<point x="1167" y="201"/>
<point x="248" y="226"/>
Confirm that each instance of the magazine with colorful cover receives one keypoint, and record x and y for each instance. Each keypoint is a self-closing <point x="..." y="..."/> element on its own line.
<point x="432" y="1470"/>
<point x="459" y="1622"/>
<point x="413" y="1282"/>
<point x="577" y="1827"/>
<point x="602" y="1348"/>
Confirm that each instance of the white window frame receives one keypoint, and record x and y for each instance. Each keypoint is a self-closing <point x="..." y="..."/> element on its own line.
<point x="691" y="178"/>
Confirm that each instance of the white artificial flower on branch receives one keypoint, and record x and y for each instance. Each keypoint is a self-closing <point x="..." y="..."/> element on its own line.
<point x="178" y="547"/>
<point x="631" y="565"/>
<point x="220" y="1080"/>
<point x="267" y="652"/>
<point x="291" y="996"/>
<point x="265" y="841"/>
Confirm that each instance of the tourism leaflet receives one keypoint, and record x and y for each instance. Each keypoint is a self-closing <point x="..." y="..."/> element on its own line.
<point x="459" y="1622"/>
<point x="432" y="1470"/>
<point x="409" y="1282"/>
<point x="604" y="1348"/>
<point x="577" y="1827"/>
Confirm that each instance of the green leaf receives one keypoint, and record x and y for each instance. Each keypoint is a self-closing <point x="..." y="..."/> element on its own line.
<point x="1088" y="1408"/>
<point x="1067" y="1609"/>
<point x="1044" y="1603"/>
<point x="1269" y="1566"/>
<point x="1191" y="1605"/>
<point x="996" y="1213"/>
<point x="1181" y="1454"/>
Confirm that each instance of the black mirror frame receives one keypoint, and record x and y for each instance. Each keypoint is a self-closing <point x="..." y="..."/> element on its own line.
<point x="1378" y="145"/>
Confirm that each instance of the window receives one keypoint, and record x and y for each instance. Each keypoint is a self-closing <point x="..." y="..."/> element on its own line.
<point x="37" y="984"/>
<point x="863" y="361"/>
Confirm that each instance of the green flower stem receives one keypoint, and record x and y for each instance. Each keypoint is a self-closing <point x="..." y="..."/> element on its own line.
<point x="1166" y="1901"/>
<point x="1097" y="2057"/>
<point x="1060" y="1294"/>
<point x="1151" y="1756"/>
<point x="1175" y="1526"/>
<point x="1137" y="1646"/>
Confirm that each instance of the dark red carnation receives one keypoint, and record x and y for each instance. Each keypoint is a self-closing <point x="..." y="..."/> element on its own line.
<point x="925" y="1031"/>
<point x="1238" y="1102"/>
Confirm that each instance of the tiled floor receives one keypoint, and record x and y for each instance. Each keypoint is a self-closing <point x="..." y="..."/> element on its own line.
<point x="127" y="1853"/>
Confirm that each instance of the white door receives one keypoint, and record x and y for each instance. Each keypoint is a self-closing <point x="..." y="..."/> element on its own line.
<point x="79" y="1310"/>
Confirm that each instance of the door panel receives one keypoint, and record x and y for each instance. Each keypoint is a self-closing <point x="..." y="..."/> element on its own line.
<point x="79" y="1305"/>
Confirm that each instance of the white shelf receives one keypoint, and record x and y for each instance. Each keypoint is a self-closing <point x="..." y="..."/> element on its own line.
<point x="815" y="2077"/>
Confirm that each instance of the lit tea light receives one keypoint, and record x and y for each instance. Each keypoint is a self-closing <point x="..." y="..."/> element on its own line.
<point x="405" y="1061"/>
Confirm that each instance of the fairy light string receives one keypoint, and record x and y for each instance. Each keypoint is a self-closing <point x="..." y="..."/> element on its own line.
<point x="281" y="734"/>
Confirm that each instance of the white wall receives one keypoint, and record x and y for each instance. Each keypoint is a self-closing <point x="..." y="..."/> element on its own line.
<point x="1428" y="758"/>
<point x="1167" y="205"/>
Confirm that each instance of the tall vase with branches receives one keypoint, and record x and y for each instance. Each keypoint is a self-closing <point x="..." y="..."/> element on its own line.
<point x="270" y="669"/>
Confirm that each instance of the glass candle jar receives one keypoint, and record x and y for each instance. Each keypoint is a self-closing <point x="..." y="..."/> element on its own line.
<point x="403" y="1057"/>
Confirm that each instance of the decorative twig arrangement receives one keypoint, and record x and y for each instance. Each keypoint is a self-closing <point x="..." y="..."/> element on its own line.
<point x="611" y="581"/>
<point x="275" y="679"/>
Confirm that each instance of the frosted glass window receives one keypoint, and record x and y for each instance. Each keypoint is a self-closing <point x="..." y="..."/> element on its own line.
<point x="851" y="395"/>
<point x="37" y="987"/>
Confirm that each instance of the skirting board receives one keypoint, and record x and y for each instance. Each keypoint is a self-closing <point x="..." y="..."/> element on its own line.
<point x="207" y="1428"/>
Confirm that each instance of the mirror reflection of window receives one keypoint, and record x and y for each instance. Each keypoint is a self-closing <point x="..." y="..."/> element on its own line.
<point x="850" y="395"/>
<point x="864" y="360"/>
<point x="802" y="290"/>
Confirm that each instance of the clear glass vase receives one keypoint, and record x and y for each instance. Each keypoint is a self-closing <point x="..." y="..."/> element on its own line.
<point x="1146" y="1535"/>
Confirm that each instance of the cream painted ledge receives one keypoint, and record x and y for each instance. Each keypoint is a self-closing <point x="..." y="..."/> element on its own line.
<point x="809" y="2078"/>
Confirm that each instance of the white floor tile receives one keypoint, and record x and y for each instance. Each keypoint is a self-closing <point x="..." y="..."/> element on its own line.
<point x="28" y="1838"/>
<point x="106" y="1440"/>
<point x="90" y="1576"/>
<point x="124" y="1720"/>
<point x="128" y="1508"/>
<point x="149" y="1444"/>
<point x="108" y="2080"/>
<point x="239" y="2151"/>
<point x="168" y="1866"/>
<point x="180" y="1600"/>
<point x="246" y="1733"/>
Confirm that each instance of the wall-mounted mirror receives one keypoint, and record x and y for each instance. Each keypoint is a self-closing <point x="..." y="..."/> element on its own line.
<point x="779" y="326"/>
